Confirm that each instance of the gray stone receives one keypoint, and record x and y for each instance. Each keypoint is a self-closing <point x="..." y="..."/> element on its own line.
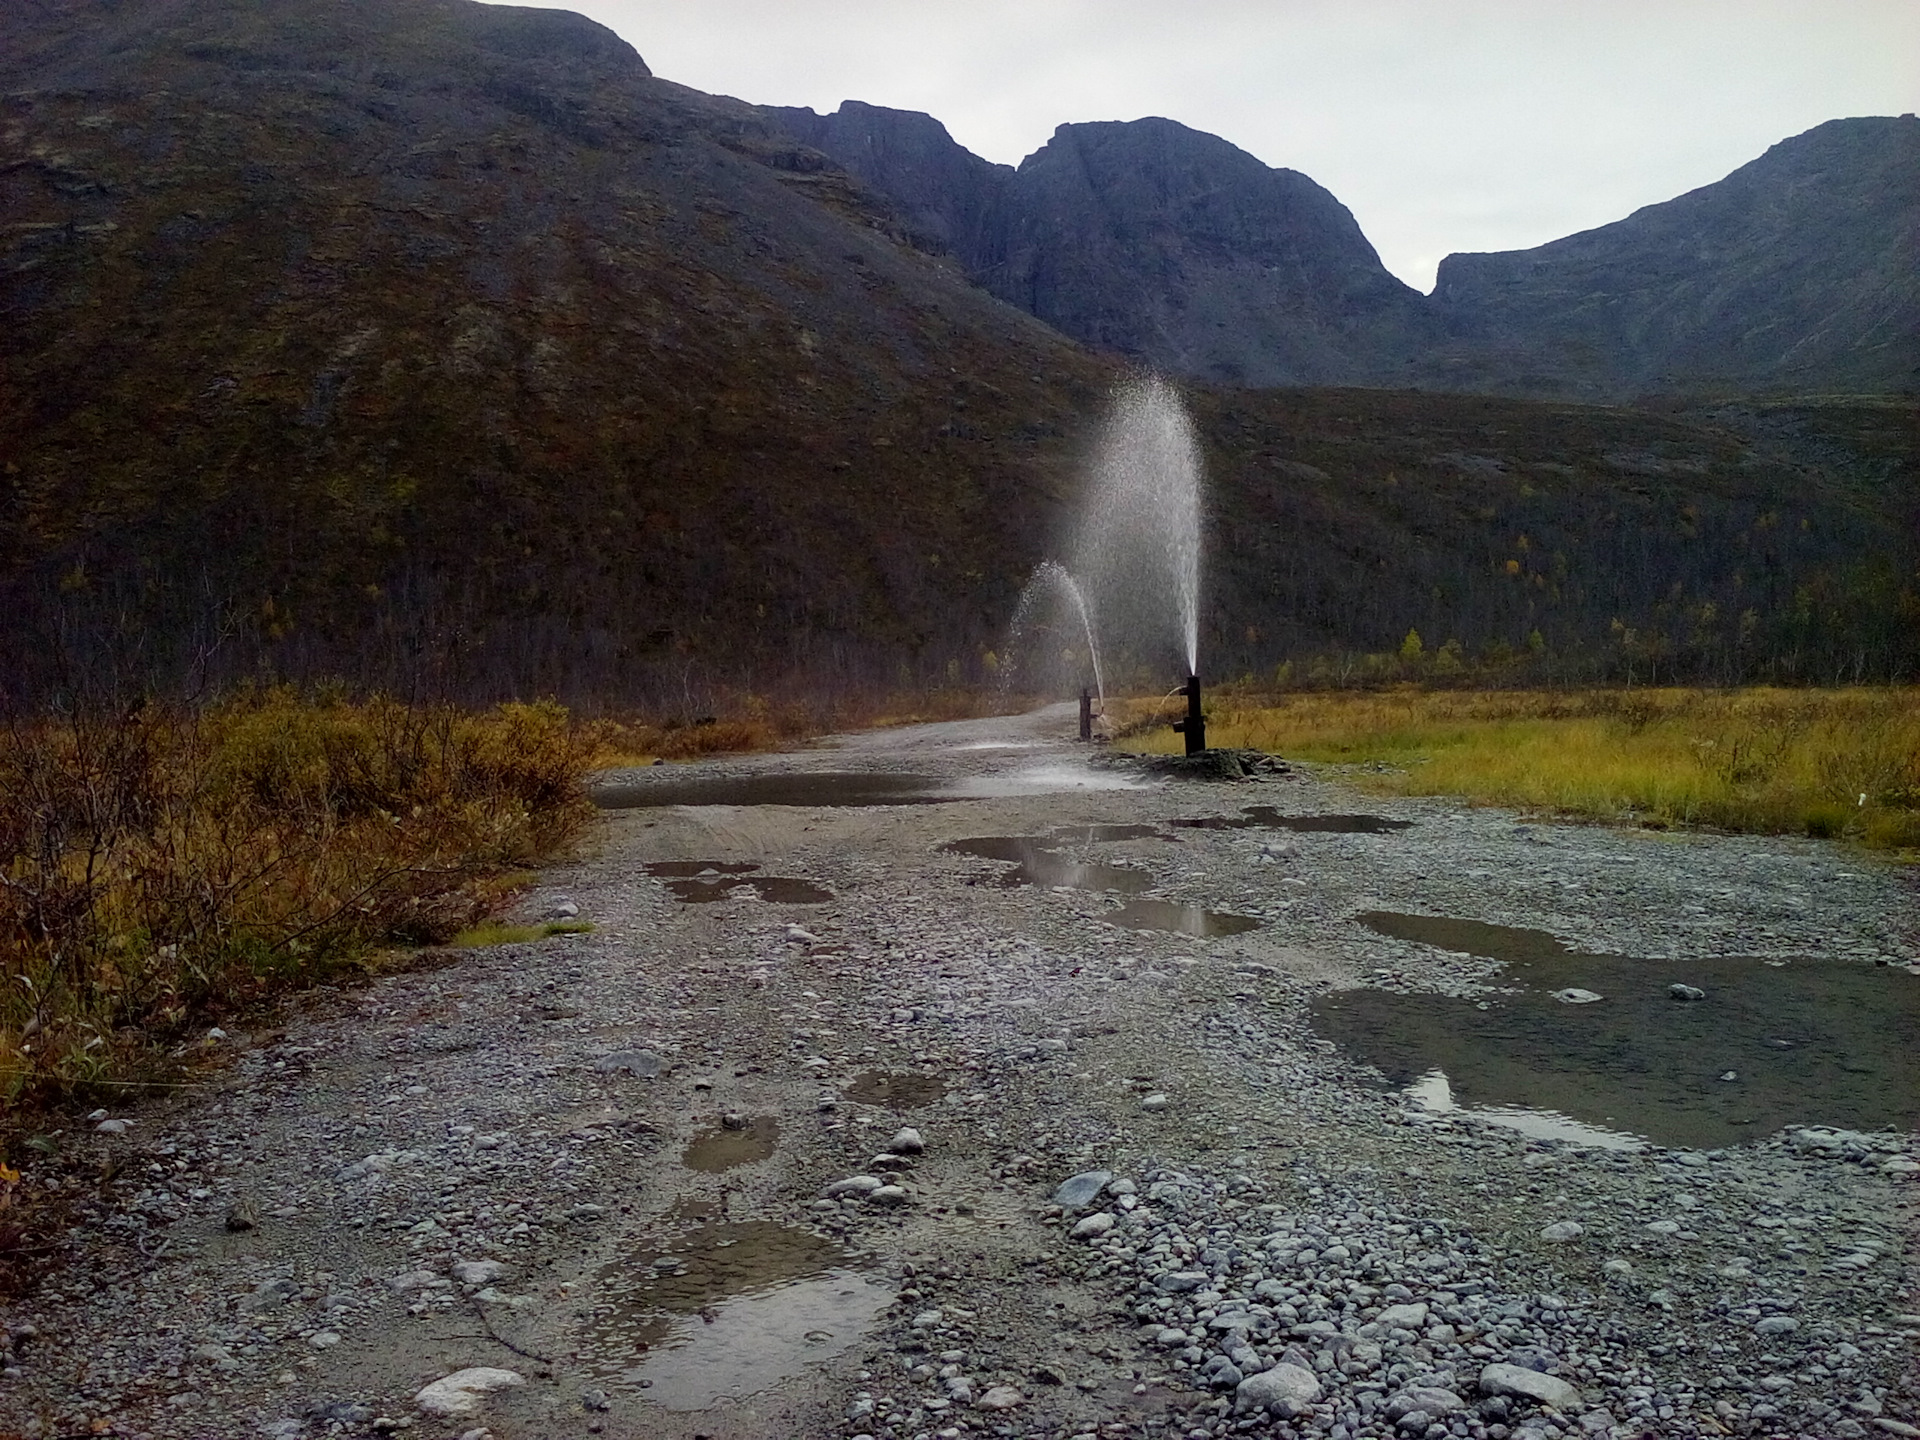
<point x="463" y="1392"/>
<point x="1283" y="1385"/>
<point x="1094" y="1226"/>
<point x="907" y="1142"/>
<point x="1686" y="992"/>
<point x="1562" y="1231"/>
<point x="1000" y="1397"/>
<point x="1403" y="1317"/>
<point x="1079" y="1191"/>
<point x="1180" y="1282"/>
<point x="478" y="1272"/>
<point x="853" y="1185"/>
<point x="1574" y="995"/>
<point x="1777" y="1325"/>
<point x="1529" y="1385"/>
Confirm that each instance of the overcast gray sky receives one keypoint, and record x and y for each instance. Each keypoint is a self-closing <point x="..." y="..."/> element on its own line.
<point x="1442" y="124"/>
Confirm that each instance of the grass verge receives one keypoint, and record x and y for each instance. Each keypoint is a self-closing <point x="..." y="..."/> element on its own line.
<point x="1826" y="763"/>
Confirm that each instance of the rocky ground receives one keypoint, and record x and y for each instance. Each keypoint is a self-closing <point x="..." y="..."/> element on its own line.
<point x="941" y="1156"/>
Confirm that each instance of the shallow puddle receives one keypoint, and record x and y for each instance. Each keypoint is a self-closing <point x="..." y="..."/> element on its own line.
<point x="1038" y="862"/>
<point x="832" y="788"/>
<point x="1811" y="1041"/>
<point x="851" y="788"/>
<point x="896" y="1089"/>
<point x="703" y="882"/>
<point x="723" y="1312"/>
<point x="1180" y="919"/>
<point x="1265" y="817"/>
<point x="1105" y="834"/>
<point x="719" y="1148"/>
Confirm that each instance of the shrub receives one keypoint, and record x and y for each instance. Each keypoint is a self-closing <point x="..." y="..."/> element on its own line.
<point x="159" y="865"/>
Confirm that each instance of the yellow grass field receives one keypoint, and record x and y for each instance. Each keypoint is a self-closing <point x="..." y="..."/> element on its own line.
<point x="1830" y="763"/>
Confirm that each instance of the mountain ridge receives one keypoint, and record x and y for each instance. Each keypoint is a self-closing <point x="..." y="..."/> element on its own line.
<point x="1824" y="262"/>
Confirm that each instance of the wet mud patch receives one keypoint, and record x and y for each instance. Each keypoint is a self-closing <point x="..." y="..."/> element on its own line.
<point x="895" y="1089"/>
<point x="724" y="1311"/>
<point x="1265" y="817"/>
<point x="723" y="1148"/>
<point x="1767" y="1043"/>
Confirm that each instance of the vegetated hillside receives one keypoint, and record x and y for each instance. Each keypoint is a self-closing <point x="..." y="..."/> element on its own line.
<point x="1736" y="542"/>
<point x="397" y="326"/>
<point x="1799" y="271"/>
<point x="442" y="345"/>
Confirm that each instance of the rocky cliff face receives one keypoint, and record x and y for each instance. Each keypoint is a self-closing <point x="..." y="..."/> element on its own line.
<point x="1150" y="241"/>
<point x="949" y="198"/>
<point x="1799" y="271"/>
<point x="1165" y="244"/>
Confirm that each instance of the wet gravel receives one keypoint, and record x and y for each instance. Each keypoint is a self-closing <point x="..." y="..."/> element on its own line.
<point x="478" y="1165"/>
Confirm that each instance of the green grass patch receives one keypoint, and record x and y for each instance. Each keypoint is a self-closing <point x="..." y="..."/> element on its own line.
<point x="496" y="932"/>
<point x="1827" y="763"/>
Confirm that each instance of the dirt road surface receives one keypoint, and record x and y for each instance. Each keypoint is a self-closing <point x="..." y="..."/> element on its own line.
<point x="777" y="1148"/>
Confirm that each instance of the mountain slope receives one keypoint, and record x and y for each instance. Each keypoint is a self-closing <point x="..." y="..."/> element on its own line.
<point x="433" y="344"/>
<point x="386" y="320"/>
<point x="1798" y="272"/>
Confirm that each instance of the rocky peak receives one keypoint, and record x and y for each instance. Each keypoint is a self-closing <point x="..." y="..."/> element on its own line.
<point x="1171" y="245"/>
<point x="948" y="196"/>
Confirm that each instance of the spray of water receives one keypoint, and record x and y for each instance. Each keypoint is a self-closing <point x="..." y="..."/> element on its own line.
<point x="1138" y="548"/>
<point x="1051" y="583"/>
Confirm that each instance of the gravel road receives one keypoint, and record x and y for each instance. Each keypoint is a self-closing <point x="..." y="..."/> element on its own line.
<point x="908" y="1150"/>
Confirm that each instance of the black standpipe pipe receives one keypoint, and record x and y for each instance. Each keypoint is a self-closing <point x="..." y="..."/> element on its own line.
<point x="1086" y="713"/>
<point x="1194" y="727"/>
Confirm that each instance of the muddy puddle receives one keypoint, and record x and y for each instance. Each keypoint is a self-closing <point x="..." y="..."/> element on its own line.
<point x="829" y="789"/>
<point x="896" y="1089"/>
<point x="1181" y="919"/>
<point x="702" y="882"/>
<point x="842" y="789"/>
<point x="722" y="1148"/>
<point x="1265" y="817"/>
<point x="724" y="1311"/>
<point x="1038" y="860"/>
<point x="1771" y="1043"/>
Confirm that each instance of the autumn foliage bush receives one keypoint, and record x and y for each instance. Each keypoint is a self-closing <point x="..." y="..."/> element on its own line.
<point x="160" y="864"/>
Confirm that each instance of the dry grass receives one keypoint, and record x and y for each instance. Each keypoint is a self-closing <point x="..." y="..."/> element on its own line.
<point x="1819" y="762"/>
<point x="161" y="867"/>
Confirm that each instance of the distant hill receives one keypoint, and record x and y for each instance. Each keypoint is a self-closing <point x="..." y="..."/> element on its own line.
<point x="1799" y="272"/>
<point x="434" y="344"/>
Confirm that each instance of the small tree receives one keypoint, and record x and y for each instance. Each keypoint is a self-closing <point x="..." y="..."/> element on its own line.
<point x="1411" y="648"/>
